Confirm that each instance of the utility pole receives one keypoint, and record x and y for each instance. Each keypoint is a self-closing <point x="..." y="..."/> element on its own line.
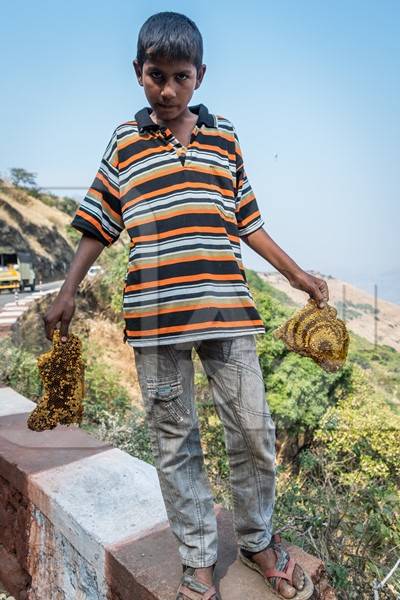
<point x="376" y="316"/>
<point x="343" y="302"/>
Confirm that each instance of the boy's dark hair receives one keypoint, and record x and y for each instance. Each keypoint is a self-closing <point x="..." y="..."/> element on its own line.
<point x="172" y="36"/>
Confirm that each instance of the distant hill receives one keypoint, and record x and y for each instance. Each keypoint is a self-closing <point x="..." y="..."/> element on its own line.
<point x="388" y="283"/>
<point x="359" y="307"/>
<point x="28" y="223"/>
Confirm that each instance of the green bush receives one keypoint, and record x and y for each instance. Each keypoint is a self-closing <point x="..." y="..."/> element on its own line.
<point x="103" y="392"/>
<point x="112" y="283"/>
<point x="73" y="234"/>
<point x="129" y="432"/>
<point x="344" y="503"/>
<point x="18" y="369"/>
<point x="298" y="407"/>
<point x="64" y="203"/>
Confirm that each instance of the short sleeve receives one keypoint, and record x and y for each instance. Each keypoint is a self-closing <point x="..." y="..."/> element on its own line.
<point x="99" y="213"/>
<point x="248" y="215"/>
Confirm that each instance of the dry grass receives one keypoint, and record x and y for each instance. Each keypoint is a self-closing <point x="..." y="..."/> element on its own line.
<point x="34" y="212"/>
<point x="109" y="337"/>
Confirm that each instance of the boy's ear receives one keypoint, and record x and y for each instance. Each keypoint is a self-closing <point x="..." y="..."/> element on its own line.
<point x="138" y="71"/>
<point x="200" y="75"/>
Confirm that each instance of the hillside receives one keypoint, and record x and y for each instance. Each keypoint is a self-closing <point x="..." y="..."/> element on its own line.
<point x="347" y="475"/>
<point x="359" y="307"/>
<point x="28" y="223"/>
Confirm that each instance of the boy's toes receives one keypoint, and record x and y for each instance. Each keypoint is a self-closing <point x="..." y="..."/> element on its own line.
<point x="286" y="590"/>
<point x="298" y="577"/>
<point x="289" y="591"/>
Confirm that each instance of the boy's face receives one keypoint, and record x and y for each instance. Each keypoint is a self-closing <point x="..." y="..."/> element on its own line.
<point x="168" y="86"/>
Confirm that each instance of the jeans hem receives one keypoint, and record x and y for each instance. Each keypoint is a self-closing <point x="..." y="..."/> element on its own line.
<point x="204" y="563"/>
<point x="258" y="548"/>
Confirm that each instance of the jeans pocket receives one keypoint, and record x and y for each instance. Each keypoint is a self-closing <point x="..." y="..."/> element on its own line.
<point x="165" y="397"/>
<point x="225" y="348"/>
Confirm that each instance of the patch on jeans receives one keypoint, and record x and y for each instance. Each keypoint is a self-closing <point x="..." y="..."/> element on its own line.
<point x="165" y="396"/>
<point x="251" y="391"/>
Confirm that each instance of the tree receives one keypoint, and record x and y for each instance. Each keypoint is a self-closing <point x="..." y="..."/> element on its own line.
<point x="23" y="178"/>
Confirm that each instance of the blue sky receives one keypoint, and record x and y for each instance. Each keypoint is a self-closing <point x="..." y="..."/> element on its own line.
<point x="317" y="83"/>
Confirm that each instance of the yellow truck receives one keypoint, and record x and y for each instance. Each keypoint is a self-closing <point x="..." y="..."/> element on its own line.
<point x="16" y="270"/>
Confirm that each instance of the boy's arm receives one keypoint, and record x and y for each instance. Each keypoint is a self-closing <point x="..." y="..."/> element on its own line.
<point x="264" y="245"/>
<point x="63" y="307"/>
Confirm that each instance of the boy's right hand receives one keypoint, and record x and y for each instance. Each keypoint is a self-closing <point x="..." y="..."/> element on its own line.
<point x="62" y="310"/>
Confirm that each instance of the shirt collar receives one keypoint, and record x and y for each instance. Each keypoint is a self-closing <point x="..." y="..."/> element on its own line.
<point x="144" y="120"/>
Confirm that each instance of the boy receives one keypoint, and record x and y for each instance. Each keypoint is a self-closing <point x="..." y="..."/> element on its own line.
<point x="174" y="178"/>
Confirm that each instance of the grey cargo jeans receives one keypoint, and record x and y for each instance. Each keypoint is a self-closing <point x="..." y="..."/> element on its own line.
<point x="166" y="379"/>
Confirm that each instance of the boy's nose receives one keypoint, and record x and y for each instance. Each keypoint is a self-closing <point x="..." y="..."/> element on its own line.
<point x="168" y="93"/>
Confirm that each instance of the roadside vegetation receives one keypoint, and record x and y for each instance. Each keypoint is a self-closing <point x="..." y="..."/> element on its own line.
<point x="338" y="451"/>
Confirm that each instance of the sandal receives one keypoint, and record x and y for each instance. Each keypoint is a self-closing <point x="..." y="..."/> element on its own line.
<point x="283" y="570"/>
<point x="191" y="588"/>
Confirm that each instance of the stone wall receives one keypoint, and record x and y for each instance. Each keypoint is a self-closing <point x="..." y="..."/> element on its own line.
<point x="82" y="520"/>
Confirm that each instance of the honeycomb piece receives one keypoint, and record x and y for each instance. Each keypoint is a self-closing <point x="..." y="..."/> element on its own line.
<point x="318" y="334"/>
<point x="61" y="370"/>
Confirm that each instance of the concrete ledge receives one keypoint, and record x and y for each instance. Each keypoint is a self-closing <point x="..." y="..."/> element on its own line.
<point x="12" y="403"/>
<point x="81" y="519"/>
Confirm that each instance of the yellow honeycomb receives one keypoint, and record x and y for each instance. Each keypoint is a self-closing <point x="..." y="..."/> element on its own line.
<point x="61" y="370"/>
<point x="317" y="333"/>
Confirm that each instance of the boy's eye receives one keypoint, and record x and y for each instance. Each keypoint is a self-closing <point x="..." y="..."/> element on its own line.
<point x="157" y="75"/>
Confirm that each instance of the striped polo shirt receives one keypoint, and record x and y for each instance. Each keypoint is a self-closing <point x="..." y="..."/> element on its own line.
<point x="185" y="210"/>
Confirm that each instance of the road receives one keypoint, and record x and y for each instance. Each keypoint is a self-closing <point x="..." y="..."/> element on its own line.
<point x="12" y="305"/>
<point x="6" y="297"/>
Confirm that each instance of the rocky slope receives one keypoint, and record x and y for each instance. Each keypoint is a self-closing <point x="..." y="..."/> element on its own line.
<point x="28" y="224"/>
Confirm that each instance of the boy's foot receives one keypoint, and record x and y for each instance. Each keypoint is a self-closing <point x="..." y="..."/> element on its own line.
<point x="285" y="577"/>
<point x="197" y="584"/>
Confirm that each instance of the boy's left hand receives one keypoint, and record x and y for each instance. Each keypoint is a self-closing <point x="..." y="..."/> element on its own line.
<point x="314" y="286"/>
